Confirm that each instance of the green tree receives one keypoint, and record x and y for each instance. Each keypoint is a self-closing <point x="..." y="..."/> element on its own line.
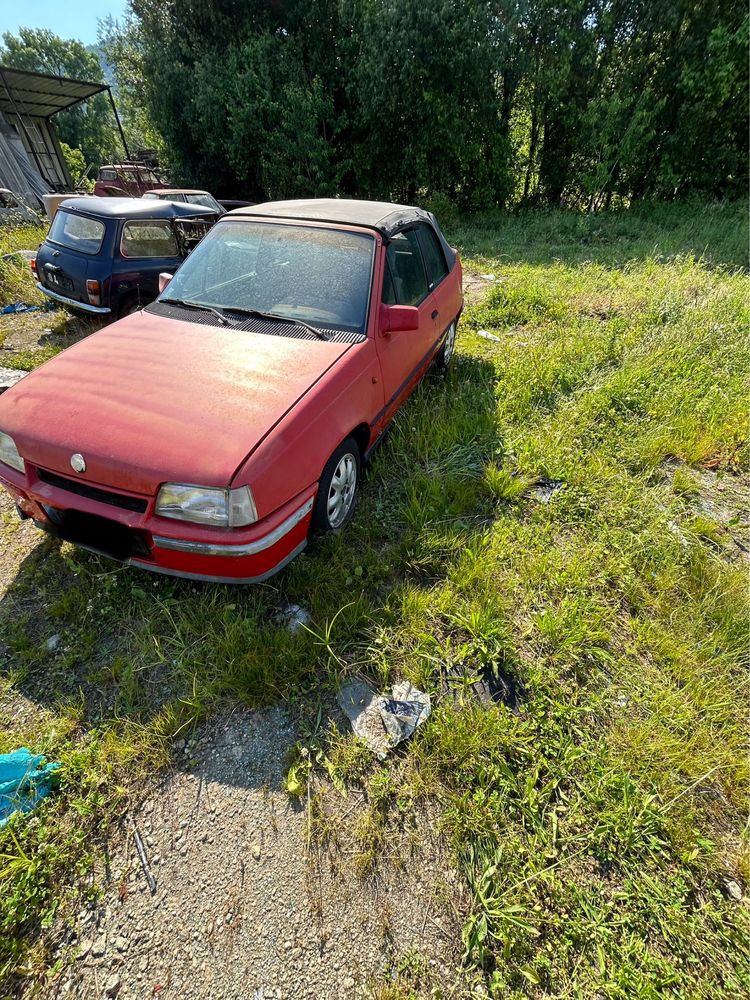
<point x="89" y="126"/>
<point x="483" y="101"/>
<point x="121" y="44"/>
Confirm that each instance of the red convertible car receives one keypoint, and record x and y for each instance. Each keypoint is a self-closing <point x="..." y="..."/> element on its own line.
<point x="209" y="435"/>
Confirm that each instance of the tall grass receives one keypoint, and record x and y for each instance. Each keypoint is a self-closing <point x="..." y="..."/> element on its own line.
<point x="596" y="815"/>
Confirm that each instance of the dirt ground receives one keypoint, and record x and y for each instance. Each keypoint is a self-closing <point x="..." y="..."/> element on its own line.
<point x="246" y="902"/>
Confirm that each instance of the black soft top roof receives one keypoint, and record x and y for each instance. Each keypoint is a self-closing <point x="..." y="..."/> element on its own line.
<point x="384" y="217"/>
<point x="133" y="208"/>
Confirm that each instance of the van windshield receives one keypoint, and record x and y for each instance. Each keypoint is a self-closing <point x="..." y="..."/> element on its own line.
<point x="77" y="232"/>
<point x="319" y="276"/>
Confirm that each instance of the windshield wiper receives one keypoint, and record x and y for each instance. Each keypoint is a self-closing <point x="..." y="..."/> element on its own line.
<point x="198" y="305"/>
<point x="282" y="319"/>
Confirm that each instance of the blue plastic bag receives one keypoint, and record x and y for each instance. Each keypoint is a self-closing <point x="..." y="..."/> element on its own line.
<point x="18" y="307"/>
<point x="24" y="781"/>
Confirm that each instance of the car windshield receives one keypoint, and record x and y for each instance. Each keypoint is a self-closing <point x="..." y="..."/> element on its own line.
<point x="319" y="276"/>
<point x="206" y="200"/>
<point x="78" y="232"/>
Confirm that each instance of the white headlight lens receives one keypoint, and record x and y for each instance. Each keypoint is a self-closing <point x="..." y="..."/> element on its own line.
<point x="9" y="453"/>
<point x="203" y="505"/>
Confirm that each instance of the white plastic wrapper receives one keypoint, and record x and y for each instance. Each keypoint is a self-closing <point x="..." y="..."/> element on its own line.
<point x="383" y="722"/>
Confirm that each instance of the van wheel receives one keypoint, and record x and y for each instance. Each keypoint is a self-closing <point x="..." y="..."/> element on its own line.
<point x="338" y="489"/>
<point x="130" y="307"/>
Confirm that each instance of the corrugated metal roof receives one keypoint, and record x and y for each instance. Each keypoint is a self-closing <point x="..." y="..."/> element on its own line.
<point x="39" y="95"/>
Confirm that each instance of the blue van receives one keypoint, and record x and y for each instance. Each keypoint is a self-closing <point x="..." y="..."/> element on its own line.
<point x="104" y="255"/>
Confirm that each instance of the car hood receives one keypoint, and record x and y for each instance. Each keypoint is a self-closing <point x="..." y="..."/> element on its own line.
<point x="153" y="399"/>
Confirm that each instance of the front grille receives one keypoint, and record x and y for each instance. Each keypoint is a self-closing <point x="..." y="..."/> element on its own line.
<point x="81" y="489"/>
<point x="99" y="534"/>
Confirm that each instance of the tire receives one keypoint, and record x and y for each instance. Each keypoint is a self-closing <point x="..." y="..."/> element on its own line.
<point x="338" y="489"/>
<point x="446" y="351"/>
<point x="129" y="307"/>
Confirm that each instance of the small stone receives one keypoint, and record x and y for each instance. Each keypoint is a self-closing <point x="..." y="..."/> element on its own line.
<point x="84" y="948"/>
<point x="148" y="806"/>
<point x="121" y="943"/>
<point x="53" y="642"/>
<point x="112" y="986"/>
<point x="348" y="983"/>
<point x="732" y="890"/>
<point x="99" y="947"/>
<point x="255" y="851"/>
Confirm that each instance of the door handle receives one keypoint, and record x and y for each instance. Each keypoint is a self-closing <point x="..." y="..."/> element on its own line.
<point x="434" y="314"/>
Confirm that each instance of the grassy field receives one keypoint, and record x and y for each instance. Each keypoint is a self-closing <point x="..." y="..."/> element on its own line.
<point x="596" y="813"/>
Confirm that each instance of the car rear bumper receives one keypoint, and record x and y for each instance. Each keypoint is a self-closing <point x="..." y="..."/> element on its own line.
<point x="72" y="303"/>
<point x="176" y="548"/>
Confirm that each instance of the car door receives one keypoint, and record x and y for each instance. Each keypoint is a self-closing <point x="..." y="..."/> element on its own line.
<point x="403" y="354"/>
<point x="446" y="293"/>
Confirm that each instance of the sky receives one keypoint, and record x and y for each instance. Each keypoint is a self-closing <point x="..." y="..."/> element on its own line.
<point x="67" y="18"/>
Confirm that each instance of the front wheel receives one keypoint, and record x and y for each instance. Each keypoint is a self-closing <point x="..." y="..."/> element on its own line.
<point x="338" y="489"/>
<point x="446" y="351"/>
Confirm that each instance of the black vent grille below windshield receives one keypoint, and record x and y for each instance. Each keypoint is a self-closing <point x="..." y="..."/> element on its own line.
<point x="253" y="324"/>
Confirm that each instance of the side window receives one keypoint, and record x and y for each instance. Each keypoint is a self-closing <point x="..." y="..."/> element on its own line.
<point x="389" y="296"/>
<point x="434" y="258"/>
<point x="406" y="268"/>
<point x="107" y="175"/>
<point x="148" y="238"/>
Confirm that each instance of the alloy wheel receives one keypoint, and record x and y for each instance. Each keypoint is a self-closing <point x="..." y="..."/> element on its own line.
<point x="342" y="490"/>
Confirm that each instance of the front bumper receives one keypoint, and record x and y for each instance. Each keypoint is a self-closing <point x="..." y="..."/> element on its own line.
<point x="72" y="303"/>
<point x="141" y="538"/>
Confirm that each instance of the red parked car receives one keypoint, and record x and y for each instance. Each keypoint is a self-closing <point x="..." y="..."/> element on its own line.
<point x="126" y="180"/>
<point x="211" y="434"/>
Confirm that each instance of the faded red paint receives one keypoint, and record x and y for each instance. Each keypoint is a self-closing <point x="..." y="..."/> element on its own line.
<point x="150" y="400"/>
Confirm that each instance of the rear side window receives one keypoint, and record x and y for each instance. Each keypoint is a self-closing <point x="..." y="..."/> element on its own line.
<point x="407" y="270"/>
<point x="107" y="175"/>
<point x="148" y="238"/>
<point x="77" y="232"/>
<point x="434" y="258"/>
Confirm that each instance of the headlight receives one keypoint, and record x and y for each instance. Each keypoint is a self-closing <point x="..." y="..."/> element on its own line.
<point x="203" y="505"/>
<point x="9" y="453"/>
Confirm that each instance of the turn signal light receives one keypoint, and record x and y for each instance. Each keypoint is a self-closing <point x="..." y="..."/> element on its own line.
<point x="32" y="264"/>
<point x="94" y="292"/>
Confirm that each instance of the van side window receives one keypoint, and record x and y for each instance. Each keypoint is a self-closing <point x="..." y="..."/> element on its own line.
<point x="148" y="238"/>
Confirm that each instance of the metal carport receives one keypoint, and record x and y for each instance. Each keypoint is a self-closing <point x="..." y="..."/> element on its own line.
<point x="28" y="100"/>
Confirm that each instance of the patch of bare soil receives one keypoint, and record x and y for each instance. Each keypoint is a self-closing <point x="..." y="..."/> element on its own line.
<point x="18" y="539"/>
<point x="245" y="904"/>
<point x="723" y="498"/>
<point x="476" y="286"/>
<point x="33" y="330"/>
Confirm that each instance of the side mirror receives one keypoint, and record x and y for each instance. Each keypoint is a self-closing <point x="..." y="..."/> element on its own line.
<point x="393" y="319"/>
<point x="164" y="278"/>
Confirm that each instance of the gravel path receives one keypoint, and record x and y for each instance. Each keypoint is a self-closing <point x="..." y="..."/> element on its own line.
<point x="242" y="909"/>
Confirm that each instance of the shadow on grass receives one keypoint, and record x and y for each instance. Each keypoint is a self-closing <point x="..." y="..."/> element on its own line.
<point x="715" y="232"/>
